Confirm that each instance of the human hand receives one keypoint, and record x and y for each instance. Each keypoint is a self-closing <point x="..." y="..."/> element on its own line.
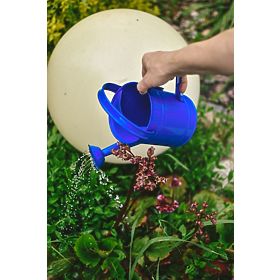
<point x="157" y="69"/>
<point x="212" y="56"/>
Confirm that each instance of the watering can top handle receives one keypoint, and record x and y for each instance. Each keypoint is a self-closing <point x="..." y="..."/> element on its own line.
<point x="117" y="116"/>
<point x="177" y="88"/>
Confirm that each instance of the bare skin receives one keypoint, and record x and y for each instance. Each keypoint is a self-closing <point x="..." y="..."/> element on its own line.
<point x="213" y="56"/>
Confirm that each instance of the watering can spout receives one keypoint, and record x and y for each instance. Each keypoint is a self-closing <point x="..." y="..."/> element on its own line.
<point x="98" y="155"/>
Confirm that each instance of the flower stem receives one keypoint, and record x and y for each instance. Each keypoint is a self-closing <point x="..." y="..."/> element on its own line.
<point x="121" y="215"/>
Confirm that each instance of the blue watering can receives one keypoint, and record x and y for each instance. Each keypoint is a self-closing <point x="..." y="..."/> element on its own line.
<point x="158" y="117"/>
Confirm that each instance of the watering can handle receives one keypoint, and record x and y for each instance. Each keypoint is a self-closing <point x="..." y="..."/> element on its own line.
<point x="117" y="116"/>
<point x="177" y="88"/>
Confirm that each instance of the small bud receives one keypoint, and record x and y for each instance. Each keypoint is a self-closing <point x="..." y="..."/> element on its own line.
<point x="206" y="238"/>
<point x="150" y="151"/>
<point x="199" y="223"/>
<point x="214" y="221"/>
<point x="204" y="204"/>
<point x="160" y="197"/>
<point x="194" y="205"/>
<point x="175" y="182"/>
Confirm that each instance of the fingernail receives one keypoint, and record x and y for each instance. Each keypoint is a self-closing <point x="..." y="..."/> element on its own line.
<point x="141" y="92"/>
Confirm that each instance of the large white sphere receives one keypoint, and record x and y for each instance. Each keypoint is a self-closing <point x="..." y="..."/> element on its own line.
<point x="104" y="47"/>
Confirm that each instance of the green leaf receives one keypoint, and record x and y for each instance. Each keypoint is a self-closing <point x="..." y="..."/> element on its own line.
<point x="230" y="175"/>
<point x="219" y="222"/>
<point x="178" y="162"/>
<point x="59" y="267"/>
<point x="214" y="201"/>
<point x="113" y="170"/>
<point x="225" y="228"/>
<point x="226" y="232"/>
<point x="183" y="230"/>
<point x="53" y="199"/>
<point x="97" y="196"/>
<point x="139" y="208"/>
<point x="138" y="244"/>
<point x="86" y="249"/>
<point x="98" y="210"/>
<point x="159" y="251"/>
<point x="51" y="228"/>
<point x="106" y="246"/>
<point x="130" y="273"/>
<point x="219" y="251"/>
<point x="152" y="241"/>
<point x="119" y="254"/>
<point x="115" y="268"/>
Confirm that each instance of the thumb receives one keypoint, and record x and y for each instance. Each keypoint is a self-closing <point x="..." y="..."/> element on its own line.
<point x="144" y="84"/>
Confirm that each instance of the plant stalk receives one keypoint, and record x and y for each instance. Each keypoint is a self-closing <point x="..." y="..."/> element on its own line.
<point x="121" y="215"/>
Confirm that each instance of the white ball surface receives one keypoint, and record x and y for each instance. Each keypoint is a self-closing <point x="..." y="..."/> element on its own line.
<point x="104" y="47"/>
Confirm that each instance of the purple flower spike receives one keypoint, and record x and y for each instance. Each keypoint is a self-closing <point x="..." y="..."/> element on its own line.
<point x="199" y="223"/>
<point x="146" y="176"/>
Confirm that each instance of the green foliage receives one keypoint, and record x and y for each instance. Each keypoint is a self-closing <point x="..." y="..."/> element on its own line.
<point x="75" y="206"/>
<point x="154" y="252"/>
<point x="225" y="231"/>
<point x="63" y="14"/>
<point x="159" y="251"/>
<point x="59" y="267"/>
<point x="107" y="251"/>
<point x="215" y="202"/>
<point x="95" y="211"/>
<point x="60" y="156"/>
<point x="87" y="250"/>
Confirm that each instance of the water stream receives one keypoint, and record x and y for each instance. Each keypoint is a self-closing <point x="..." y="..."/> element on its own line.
<point x="81" y="177"/>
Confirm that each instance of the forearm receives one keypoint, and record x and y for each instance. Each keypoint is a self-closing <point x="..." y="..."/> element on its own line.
<point x="214" y="56"/>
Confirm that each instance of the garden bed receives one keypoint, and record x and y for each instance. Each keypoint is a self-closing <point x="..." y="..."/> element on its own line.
<point x="88" y="238"/>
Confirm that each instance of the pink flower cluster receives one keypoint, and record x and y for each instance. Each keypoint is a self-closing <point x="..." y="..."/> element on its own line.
<point x="201" y="214"/>
<point x="146" y="176"/>
<point x="166" y="204"/>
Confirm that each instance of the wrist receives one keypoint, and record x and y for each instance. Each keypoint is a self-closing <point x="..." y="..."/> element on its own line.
<point x="190" y="59"/>
<point x="177" y="63"/>
<point x="170" y="66"/>
<point x="182" y="61"/>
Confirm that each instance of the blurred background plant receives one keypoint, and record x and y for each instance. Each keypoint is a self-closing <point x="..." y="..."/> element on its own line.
<point x="63" y="14"/>
<point x="86" y="245"/>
